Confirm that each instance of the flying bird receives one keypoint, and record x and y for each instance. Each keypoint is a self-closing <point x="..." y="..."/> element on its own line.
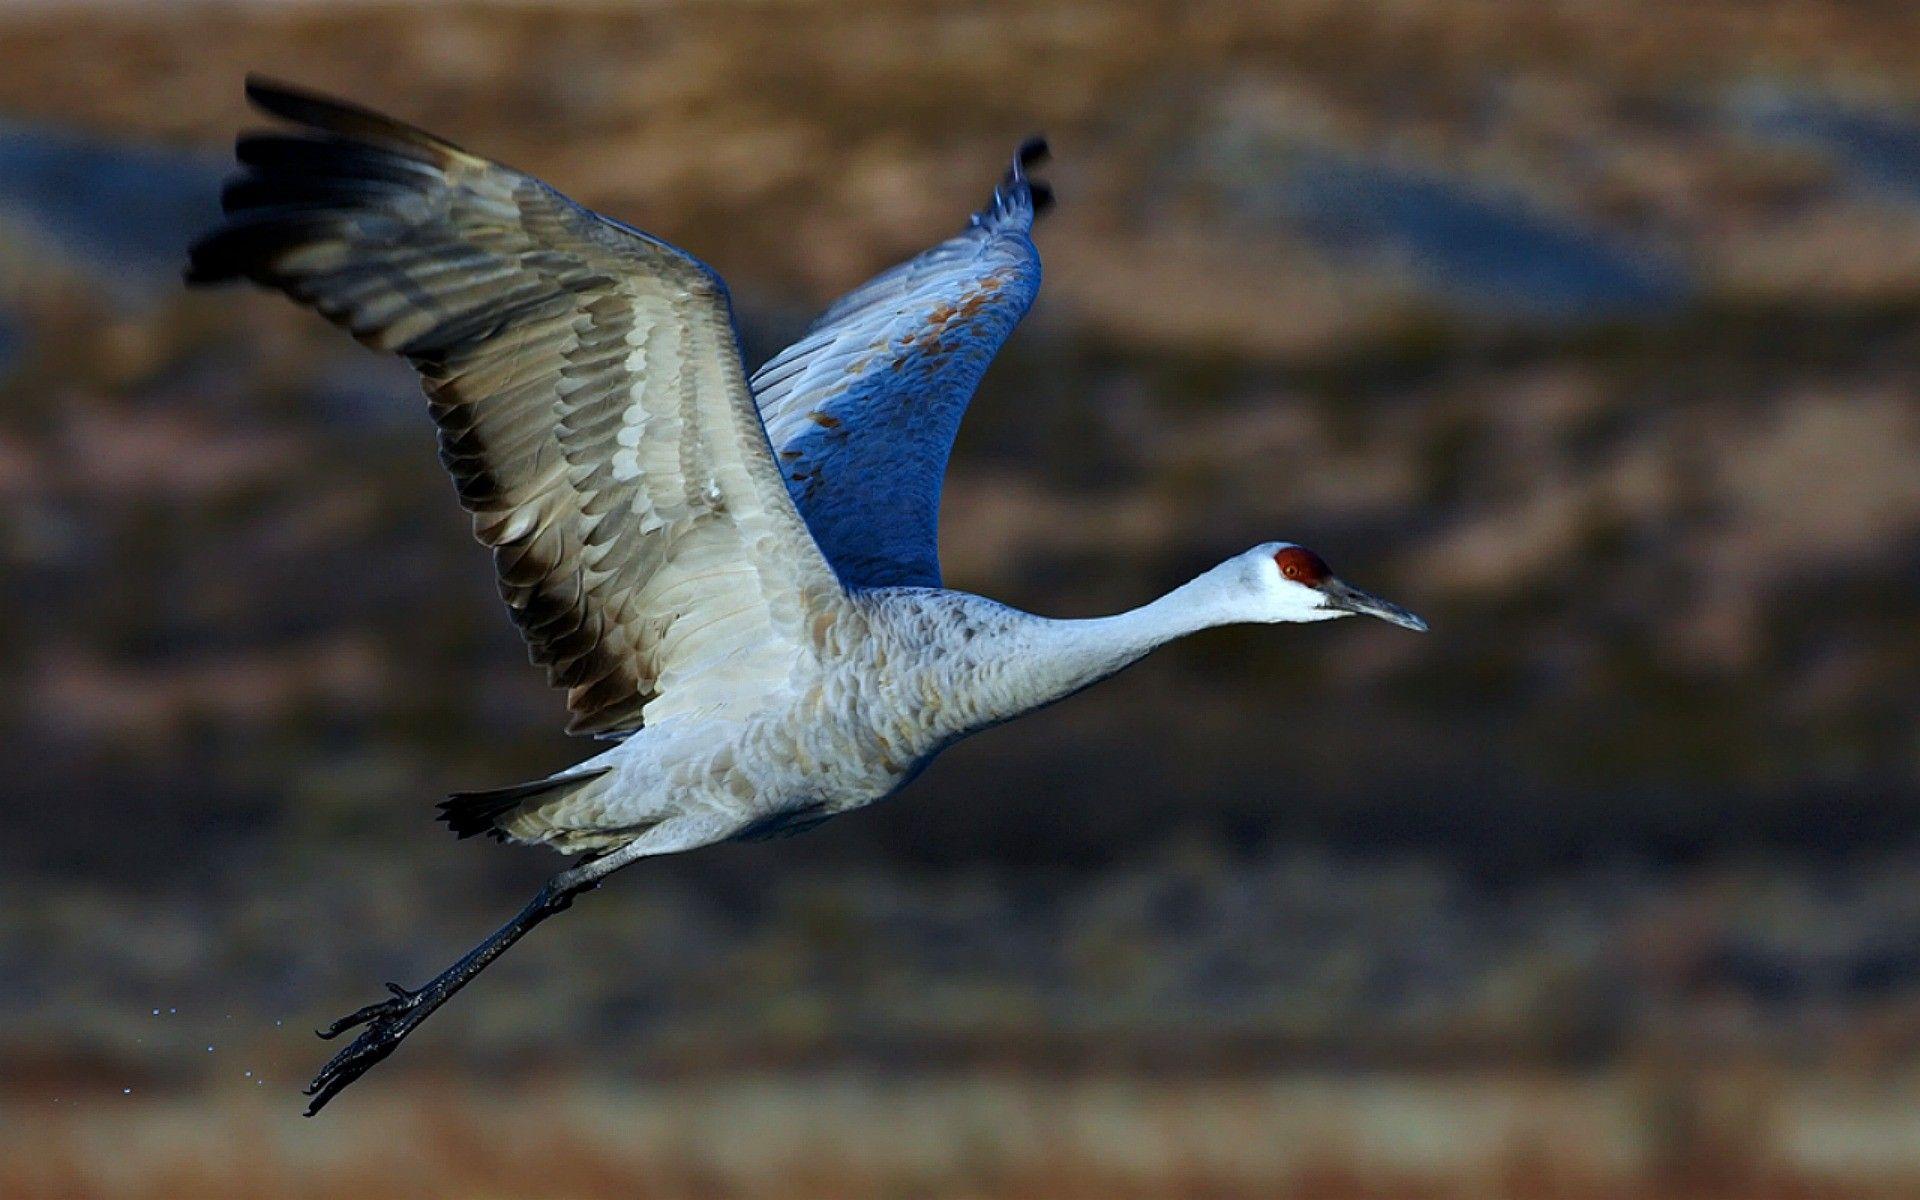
<point x="734" y="577"/>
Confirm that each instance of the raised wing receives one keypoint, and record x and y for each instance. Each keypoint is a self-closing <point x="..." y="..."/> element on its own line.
<point x="863" y="410"/>
<point x="590" y="397"/>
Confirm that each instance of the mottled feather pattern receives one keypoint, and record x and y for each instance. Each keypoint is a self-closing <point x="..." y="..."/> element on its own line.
<point x="587" y="384"/>
<point x="864" y="409"/>
<point x="647" y="534"/>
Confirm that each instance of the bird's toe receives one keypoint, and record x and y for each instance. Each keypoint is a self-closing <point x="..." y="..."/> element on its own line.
<point x="377" y="1011"/>
<point x="387" y="1025"/>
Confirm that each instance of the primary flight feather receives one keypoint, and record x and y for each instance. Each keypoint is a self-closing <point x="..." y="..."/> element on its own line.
<point x="736" y="578"/>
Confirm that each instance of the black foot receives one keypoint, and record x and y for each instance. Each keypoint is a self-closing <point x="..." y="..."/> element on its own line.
<point x="387" y="1025"/>
<point x="390" y="1021"/>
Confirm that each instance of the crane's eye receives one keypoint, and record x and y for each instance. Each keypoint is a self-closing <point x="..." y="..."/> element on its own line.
<point x="1302" y="566"/>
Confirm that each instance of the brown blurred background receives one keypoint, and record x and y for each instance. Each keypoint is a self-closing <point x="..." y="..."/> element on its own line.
<point x="1589" y="331"/>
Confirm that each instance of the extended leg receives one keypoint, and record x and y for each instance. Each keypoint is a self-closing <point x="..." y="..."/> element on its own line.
<point x="390" y="1021"/>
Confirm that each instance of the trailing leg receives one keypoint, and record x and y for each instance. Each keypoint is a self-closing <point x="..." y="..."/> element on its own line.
<point x="390" y="1021"/>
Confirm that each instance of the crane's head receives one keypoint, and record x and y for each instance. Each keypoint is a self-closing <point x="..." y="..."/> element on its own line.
<point x="1292" y="583"/>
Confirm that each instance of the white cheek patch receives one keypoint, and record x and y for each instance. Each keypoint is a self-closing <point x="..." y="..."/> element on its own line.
<point x="1297" y="602"/>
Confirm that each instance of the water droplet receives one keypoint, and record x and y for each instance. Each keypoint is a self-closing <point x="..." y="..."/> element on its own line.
<point x="249" y="1074"/>
<point x="209" y="1049"/>
<point x="126" y="1091"/>
<point x="156" y="1012"/>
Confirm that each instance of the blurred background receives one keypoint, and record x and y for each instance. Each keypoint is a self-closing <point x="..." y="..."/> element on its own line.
<point x="1588" y="331"/>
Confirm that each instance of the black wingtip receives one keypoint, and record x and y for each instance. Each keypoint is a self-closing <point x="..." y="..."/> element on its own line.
<point x="293" y="102"/>
<point x="264" y="90"/>
<point x="1017" y="190"/>
<point x="302" y="106"/>
<point x="1031" y="153"/>
<point x="342" y="118"/>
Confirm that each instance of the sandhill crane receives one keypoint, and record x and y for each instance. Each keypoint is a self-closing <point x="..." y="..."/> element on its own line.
<point x="734" y="578"/>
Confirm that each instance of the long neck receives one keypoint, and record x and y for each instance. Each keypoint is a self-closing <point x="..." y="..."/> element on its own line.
<point x="1088" y="651"/>
<point x="1029" y="661"/>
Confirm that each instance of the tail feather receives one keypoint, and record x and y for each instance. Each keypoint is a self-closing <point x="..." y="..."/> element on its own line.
<point x="470" y="813"/>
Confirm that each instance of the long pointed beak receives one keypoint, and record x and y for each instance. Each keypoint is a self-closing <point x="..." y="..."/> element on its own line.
<point x="1347" y="598"/>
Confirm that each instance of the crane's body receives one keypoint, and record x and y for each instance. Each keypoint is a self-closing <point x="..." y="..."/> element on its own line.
<point x="899" y="675"/>
<point x="733" y="577"/>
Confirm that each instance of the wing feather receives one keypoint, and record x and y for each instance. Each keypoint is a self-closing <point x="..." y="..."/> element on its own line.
<point x="863" y="410"/>
<point x="587" y="385"/>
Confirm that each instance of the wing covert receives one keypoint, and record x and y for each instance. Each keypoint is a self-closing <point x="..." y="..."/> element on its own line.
<point x="864" y="408"/>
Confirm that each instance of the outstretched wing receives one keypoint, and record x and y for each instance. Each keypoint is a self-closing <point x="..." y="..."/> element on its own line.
<point x="589" y="392"/>
<point x="863" y="409"/>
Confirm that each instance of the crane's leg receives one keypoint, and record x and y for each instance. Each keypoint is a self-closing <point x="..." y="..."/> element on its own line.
<point x="390" y="1021"/>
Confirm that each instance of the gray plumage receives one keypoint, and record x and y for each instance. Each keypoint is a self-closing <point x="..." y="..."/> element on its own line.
<point x="735" y="579"/>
